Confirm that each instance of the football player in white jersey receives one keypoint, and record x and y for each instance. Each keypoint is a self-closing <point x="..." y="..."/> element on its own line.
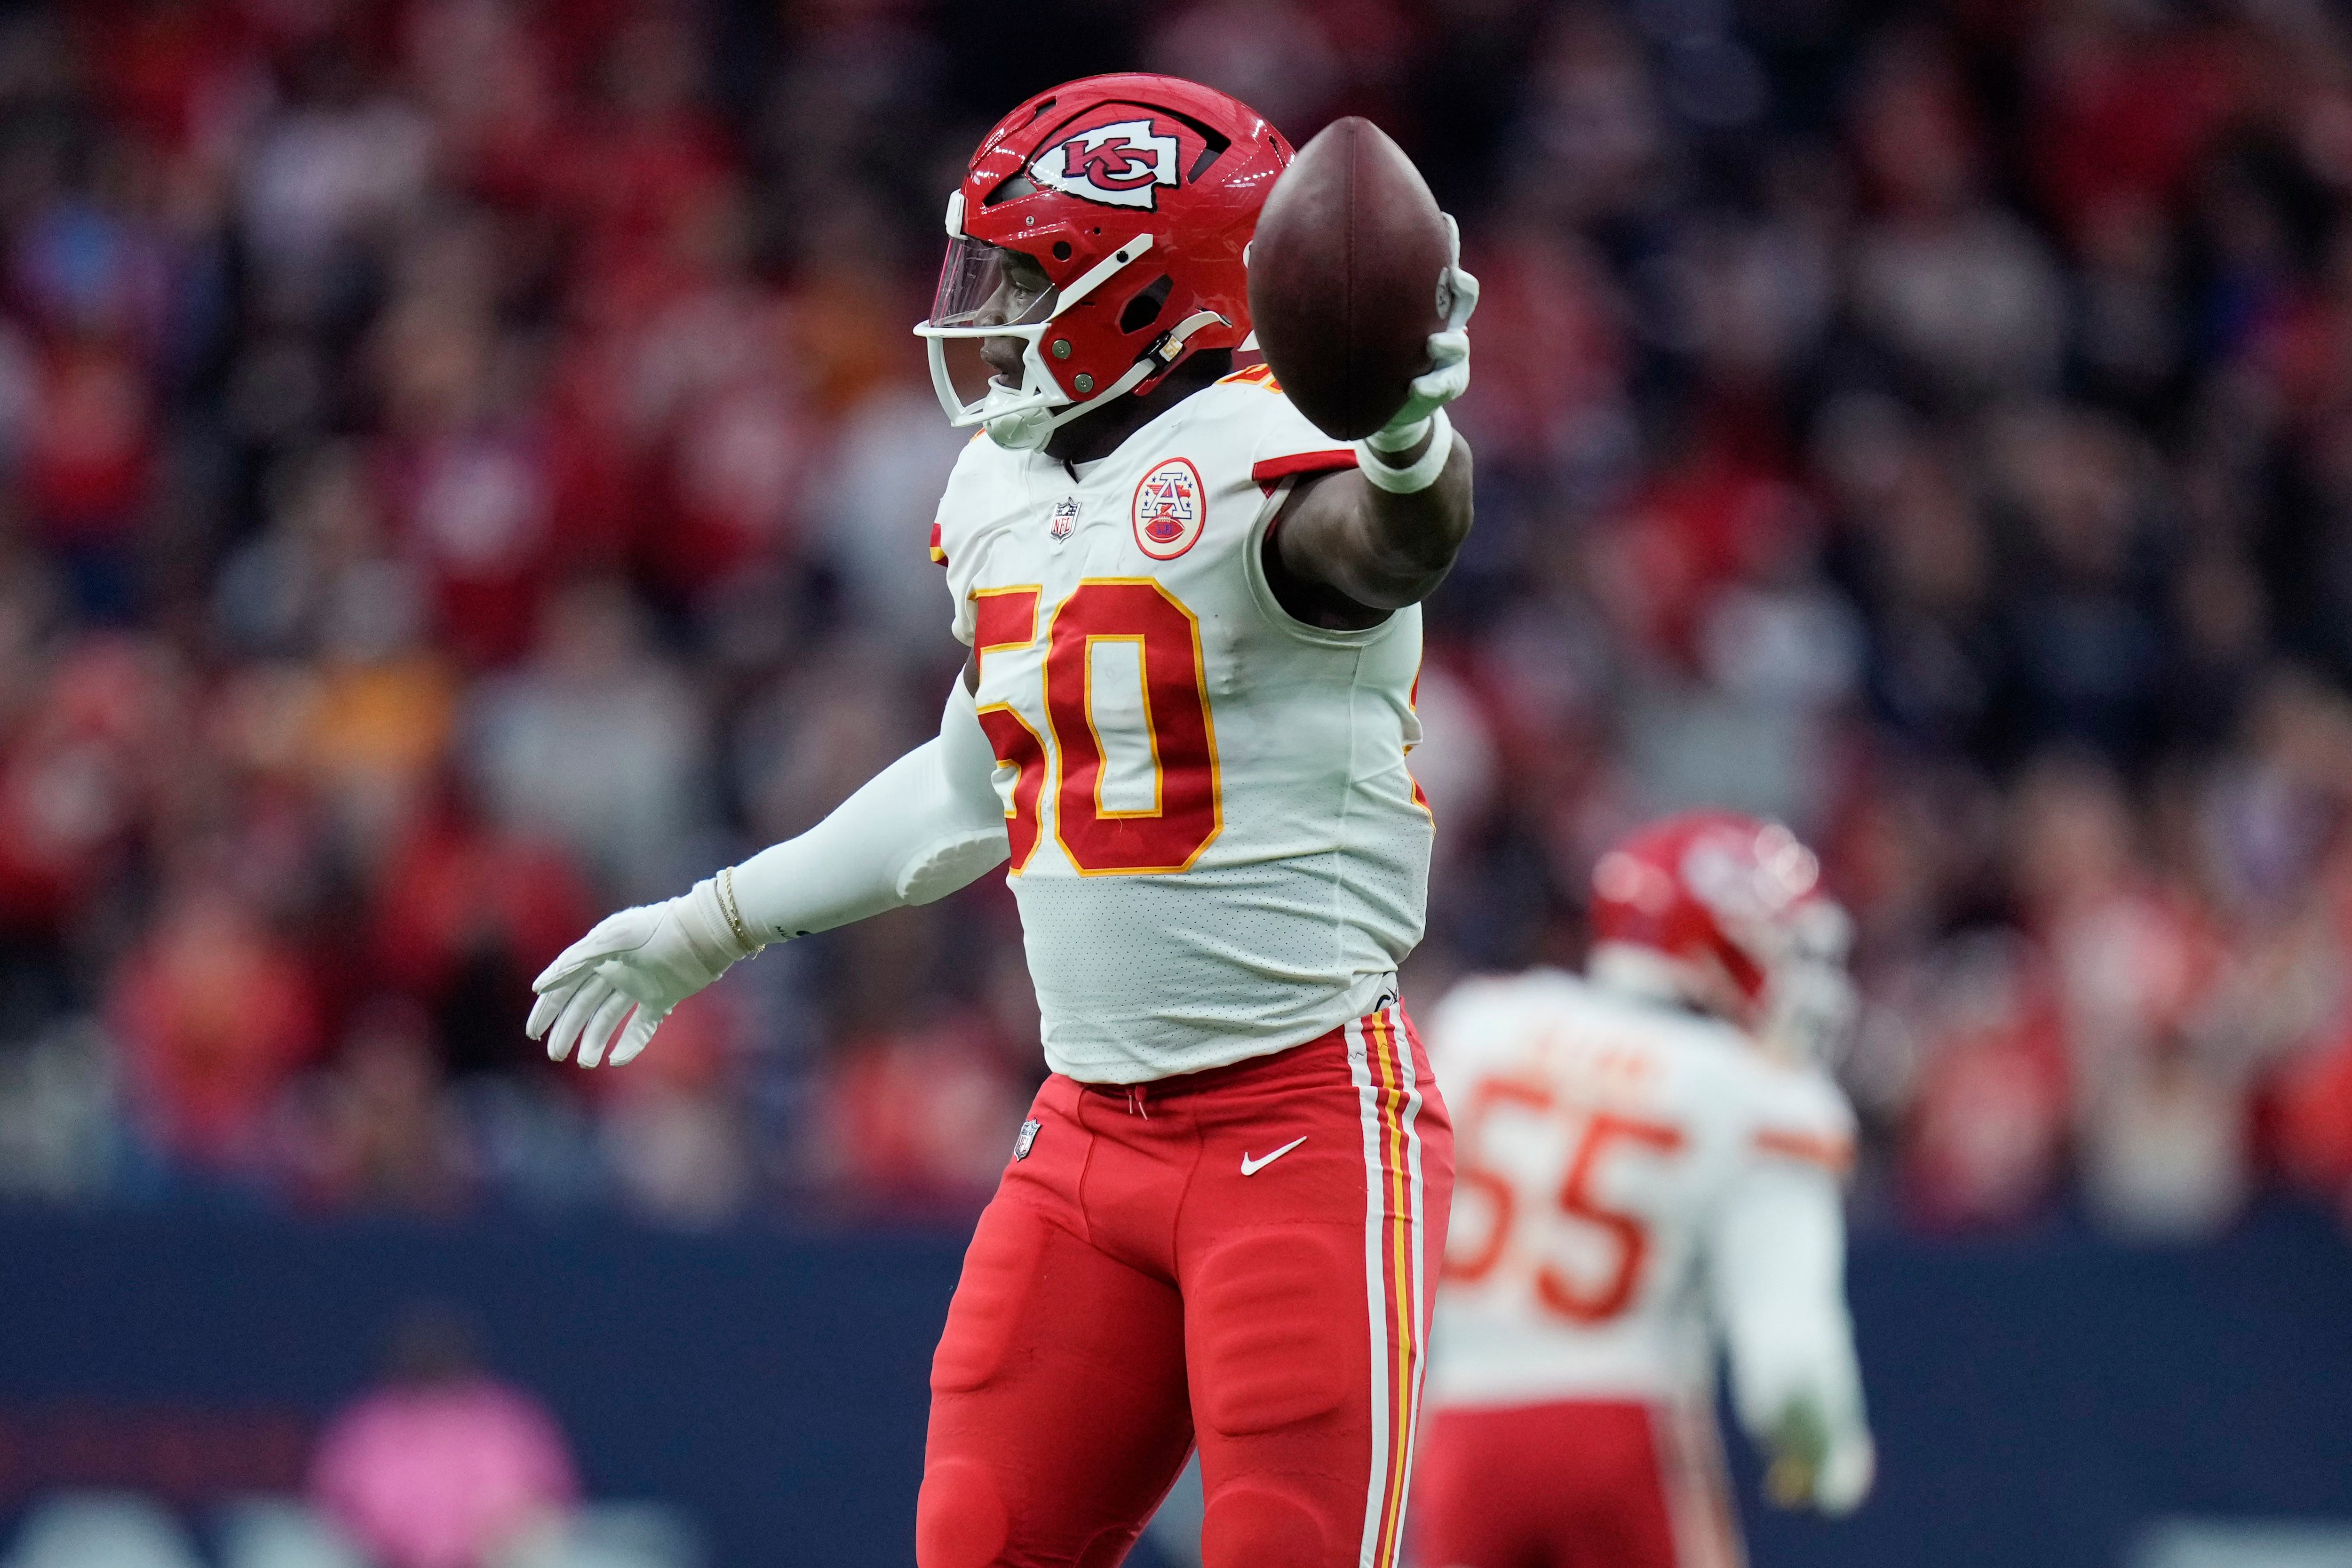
<point x="1183" y="731"/>
<point x="1650" y="1160"/>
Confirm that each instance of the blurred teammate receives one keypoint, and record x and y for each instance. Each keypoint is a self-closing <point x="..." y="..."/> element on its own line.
<point x="1185" y="724"/>
<point x="1649" y="1157"/>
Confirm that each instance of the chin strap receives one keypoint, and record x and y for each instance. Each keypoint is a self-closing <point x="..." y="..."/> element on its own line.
<point x="1164" y="353"/>
<point x="1033" y="427"/>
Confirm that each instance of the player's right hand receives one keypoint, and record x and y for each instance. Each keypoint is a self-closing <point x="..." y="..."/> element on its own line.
<point x="648" y="959"/>
<point x="1448" y="376"/>
<point x="1811" y="1467"/>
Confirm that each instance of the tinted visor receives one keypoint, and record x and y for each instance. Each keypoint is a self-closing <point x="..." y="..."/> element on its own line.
<point x="983" y="286"/>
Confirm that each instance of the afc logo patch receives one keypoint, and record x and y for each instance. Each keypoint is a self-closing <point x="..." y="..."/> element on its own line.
<point x="1028" y="1139"/>
<point x="1122" y="164"/>
<point x="1169" y="510"/>
<point x="1066" y="519"/>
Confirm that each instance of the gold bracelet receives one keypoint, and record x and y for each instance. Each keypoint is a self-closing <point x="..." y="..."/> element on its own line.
<point x="727" y="907"/>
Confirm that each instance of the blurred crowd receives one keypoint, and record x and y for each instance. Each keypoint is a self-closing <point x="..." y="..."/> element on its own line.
<point x="463" y="468"/>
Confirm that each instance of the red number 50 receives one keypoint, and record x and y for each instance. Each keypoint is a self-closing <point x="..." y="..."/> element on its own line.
<point x="1186" y="812"/>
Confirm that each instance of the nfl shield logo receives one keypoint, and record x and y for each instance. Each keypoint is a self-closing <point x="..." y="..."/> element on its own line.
<point x="1066" y="519"/>
<point x="1022" y="1145"/>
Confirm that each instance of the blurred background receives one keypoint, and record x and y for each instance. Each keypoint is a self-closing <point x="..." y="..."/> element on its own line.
<point x="463" y="468"/>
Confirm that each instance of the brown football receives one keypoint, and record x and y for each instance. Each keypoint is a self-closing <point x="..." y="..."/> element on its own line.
<point x="1343" y="277"/>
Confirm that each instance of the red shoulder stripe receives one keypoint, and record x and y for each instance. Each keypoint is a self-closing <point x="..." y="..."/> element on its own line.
<point x="1834" y="1154"/>
<point x="1274" y="470"/>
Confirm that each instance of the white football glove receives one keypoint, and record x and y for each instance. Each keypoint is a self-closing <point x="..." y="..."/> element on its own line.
<point x="1845" y="1477"/>
<point x="1448" y="376"/>
<point x="1811" y="1467"/>
<point x="650" y="958"/>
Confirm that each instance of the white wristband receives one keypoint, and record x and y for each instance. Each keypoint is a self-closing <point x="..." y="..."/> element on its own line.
<point x="1393" y="438"/>
<point x="1422" y="474"/>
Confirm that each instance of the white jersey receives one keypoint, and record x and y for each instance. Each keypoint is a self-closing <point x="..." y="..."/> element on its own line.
<point x="1217" y="850"/>
<point x="1629" y="1179"/>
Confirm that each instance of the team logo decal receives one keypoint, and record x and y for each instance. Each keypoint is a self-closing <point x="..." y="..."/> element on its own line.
<point x="1028" y="1139"/>
<point x="1169" y="510"/>
<point x="1122" y="164"/>
<point x="1066" y="519"/>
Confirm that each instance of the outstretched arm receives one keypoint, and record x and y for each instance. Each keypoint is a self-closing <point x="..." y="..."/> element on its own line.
<point x="1351" y="546"/>
<point x="925" y="825"/>
<point x="1776" y="1273"/>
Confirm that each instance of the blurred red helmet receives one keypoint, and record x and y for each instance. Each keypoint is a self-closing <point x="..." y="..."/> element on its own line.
<point x="1136" y="195"/>
<point x="1726" y="912"/>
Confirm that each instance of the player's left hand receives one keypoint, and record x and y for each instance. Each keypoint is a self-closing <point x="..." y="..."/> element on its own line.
<point x="1448" y="376"/>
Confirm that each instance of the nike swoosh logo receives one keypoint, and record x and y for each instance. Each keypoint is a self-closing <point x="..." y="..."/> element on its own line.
<point x="1251" y="1167"/>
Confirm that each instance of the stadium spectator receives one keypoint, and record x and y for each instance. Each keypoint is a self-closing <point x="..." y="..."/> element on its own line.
<point x="443" y="1465"/>
<point x="215" y="1013"/>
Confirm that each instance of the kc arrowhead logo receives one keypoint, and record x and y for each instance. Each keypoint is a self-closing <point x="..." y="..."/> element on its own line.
<point x="1122" y="164"/>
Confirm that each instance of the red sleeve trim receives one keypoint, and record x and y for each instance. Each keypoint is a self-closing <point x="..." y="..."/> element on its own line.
<point x="1274" y="470"/>
<point x="1834" y="1154"/>
<point x="938" y="556"/>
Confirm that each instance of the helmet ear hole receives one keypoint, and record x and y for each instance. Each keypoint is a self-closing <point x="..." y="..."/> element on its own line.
<point x="1144" y="307"/>
<point x="1061" y="250"/>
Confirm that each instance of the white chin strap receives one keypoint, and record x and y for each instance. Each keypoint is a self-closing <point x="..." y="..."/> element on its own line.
<point x="1023" y="418"/>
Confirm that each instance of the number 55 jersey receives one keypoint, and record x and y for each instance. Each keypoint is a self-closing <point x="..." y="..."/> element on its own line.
<point x="1217" y="848"/>
<point x="1631" y="1180"/>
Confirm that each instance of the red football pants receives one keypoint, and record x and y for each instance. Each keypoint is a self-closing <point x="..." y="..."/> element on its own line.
<point x="1239" y="1256"/>
<point x="1587" y="1484"/>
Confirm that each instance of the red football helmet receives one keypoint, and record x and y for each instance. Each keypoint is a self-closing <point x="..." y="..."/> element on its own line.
<point x="1727" y="913"/>
<point x="1136" y="197"/>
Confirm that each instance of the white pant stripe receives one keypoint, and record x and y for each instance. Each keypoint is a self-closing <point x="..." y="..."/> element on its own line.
<point x="1359" y="1070"/>
<point x="1418" y="1307"/>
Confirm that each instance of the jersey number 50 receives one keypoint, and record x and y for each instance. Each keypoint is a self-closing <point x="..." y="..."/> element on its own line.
<point x="1629" y="1239"/>
<point x="1186" y="812"/>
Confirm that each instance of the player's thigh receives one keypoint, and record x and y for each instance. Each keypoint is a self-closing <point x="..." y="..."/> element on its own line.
<point x="1307" y="1296"/>
<point x="1693" y="1489"/>
<point x="1058" y="1402"/>
<point x="1571" y="1484"/>
<point x="1637" y="1492"/>
<point x="1474" y="1504"/>
<point x="1281" y="1399"/>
